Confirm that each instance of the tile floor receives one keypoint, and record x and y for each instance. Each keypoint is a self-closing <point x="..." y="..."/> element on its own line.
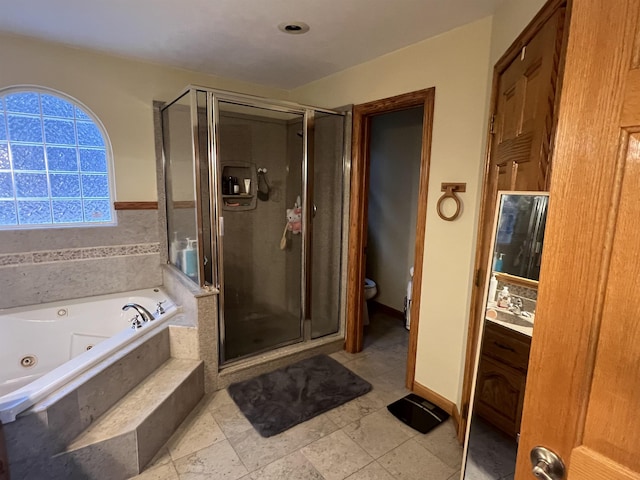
<point x="492" y="455"/>
<point x="359" y="440"/>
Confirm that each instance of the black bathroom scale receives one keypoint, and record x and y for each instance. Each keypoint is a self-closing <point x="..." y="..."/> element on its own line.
<point x="418" y="413"/>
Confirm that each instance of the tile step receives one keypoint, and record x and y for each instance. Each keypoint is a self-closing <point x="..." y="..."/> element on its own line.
<point x="134" y="429"/>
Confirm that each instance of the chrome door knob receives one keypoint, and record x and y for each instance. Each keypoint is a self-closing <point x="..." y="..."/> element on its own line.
<point x="546" y="464"/>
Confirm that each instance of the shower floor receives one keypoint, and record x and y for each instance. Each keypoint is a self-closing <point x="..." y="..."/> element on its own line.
<point x="252" y="331"/>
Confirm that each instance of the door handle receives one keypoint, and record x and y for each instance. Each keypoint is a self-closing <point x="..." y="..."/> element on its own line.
<point x="546" y="465"/>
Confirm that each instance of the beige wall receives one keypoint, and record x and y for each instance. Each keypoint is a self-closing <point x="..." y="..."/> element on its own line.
<point x="119" y="91"/>
<point x="508" y="21"/>
<point x="457" y="64"/>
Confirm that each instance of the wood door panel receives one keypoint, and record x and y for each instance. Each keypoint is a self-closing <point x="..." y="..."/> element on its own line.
<point x="583" y="402"/>
<point x="534" y="83"/>
<point x="616" y="386"/>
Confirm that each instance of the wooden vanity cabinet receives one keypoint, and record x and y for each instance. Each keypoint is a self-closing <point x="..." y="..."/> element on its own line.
<point x="502" y="374"/>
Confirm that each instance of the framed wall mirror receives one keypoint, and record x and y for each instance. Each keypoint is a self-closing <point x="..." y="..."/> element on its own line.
<point x="493" y="423"/>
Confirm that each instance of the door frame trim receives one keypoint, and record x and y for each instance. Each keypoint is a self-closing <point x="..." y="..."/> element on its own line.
<point x="360" y="162"/>
<point x="487" y="202"/>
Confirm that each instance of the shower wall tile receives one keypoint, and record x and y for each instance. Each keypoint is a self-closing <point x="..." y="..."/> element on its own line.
<point x="50" y="264"/>
<point x="134" y="227"/>
<point x="31" y="284"/>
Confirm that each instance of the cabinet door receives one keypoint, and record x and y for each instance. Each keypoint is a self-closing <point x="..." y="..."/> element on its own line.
<point x="523" y="117"/>
<point x="499" y="395"/>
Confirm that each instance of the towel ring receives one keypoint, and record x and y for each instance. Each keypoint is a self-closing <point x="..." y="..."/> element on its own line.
<point x="450" y="190"/>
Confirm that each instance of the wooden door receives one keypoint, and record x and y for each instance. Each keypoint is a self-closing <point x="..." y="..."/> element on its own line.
<point x="582" y="397"/>
<point x="525" y="85"/>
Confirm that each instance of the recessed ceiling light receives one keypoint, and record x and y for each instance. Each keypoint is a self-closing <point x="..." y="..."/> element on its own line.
<point x="294" y="28"/>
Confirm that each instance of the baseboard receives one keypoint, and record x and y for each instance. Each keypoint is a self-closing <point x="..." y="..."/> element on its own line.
<point x="438" y="400"/>
<point x="392" y="312"/>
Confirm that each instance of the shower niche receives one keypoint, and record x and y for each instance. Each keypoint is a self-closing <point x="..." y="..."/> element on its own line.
<point x="238" y="184"/>
<point x="278" y="285"/>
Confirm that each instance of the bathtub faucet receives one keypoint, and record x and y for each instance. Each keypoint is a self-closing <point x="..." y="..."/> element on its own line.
<point x="145" y="314"/>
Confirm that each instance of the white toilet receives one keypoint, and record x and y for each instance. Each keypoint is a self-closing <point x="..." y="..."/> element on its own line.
<point x="370" y="291"/>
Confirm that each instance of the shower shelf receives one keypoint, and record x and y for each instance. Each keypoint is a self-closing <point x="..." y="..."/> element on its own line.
<point x="241" y="170"/>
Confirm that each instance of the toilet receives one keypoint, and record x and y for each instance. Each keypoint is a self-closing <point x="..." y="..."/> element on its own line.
<point x="370" y="291"/>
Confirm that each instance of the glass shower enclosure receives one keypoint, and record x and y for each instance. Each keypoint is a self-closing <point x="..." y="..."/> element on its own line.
<point x="256" y="197"/>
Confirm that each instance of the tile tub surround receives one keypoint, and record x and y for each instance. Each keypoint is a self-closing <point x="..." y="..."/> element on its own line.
<point x="51" y="264"/>
<point x="216" y="441"/>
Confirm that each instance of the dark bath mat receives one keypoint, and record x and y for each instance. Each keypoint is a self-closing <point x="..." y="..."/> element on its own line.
<point x="276" y="401"/>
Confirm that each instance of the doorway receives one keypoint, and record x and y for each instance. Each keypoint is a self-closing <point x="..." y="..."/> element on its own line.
<point x="363" y="116"/>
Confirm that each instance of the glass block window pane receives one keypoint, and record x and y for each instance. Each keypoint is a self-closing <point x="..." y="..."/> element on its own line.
<point x="6" y="185"/>
<point x="93" y="160"/>
<point x="31" y="185"/>
<point x="3" y="126"/>
<point x="54" y="162"/>
<point x="65" y="185"/>
<point x="56" y="107"/>
<point x="4" y="156"/>
<point x="25" y="129"/>
<point x="59" y="132"/>
<point x="97" y="211"/>
<point x="34" y="212"/>
<point x="67" y="211"/>
<point x="8" y="213"/>
<point x="96" y="186"/>
<point x="28" y="157"/>
<point x="25" y="102"/>
<point x="89" y="134"/>
<point x="62" y="159"/>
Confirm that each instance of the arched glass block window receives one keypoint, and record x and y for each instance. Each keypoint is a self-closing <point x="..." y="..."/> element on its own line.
<point x="55" y="161"/>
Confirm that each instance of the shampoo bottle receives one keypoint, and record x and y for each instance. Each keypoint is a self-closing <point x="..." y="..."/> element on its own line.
<point x="190" y="259"/>
<point x="493" y="286"/>
<point x="498" y="263"/>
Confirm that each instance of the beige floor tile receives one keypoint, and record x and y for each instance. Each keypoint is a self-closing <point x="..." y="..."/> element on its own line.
<point x="230" y="419"/>
<point x="369" y="366"/>
<point x="336" y="456"/>
<point x="373" y="471"/>
<point x="457" y="475"/>
<point x="378" y="433"/>
<point x="256" y="451"/>
<point x="410" y="461"/>
<point x="198" y="431"/>
<point x="356" y="408"/>
<point x="216" y="462"/>
<point x="162" y="472"/>
<point x="443" y="443"/>
<point x="216" y="399"/>
<point x="292" y="467"/>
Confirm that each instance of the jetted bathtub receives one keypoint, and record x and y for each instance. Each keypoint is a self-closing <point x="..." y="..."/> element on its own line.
<point x="43" y="347"/>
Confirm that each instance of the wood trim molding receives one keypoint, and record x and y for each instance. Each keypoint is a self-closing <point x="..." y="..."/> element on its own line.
<point x="362" y="116"/>
<point x="439" y="401"/>
<point x="135" y="205"/>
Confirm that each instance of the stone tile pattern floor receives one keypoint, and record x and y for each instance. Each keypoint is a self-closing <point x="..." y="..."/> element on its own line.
<point x="359" y="440"/>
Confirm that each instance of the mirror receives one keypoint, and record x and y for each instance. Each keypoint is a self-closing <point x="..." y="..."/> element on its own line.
<point x="519" y="236"/>
<point x="493" y="424"/>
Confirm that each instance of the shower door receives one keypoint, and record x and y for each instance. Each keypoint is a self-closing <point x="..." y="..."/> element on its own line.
<point x="260" y="156"/>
